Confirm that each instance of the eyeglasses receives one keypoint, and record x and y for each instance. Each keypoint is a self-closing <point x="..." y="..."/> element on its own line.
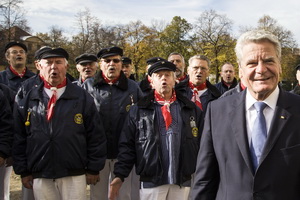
<point x="109" y="60"/>
<point x="18" y="52"/>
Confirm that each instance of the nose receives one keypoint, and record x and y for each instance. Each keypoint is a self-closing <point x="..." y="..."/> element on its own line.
<point x="260" y="68"/>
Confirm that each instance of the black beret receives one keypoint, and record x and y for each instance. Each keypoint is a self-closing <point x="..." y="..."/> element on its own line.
<point x="126" y="60"/>
<point x="40" y="51"/>
<point x="161" y="65"/>
<point x="20" y="44"/>
<point x="297" y="67"/>
<point x="111" y="51"/>
<point x="154" y="60"/>
<point x="52" y="53"/>
<point x="86" y="58"/>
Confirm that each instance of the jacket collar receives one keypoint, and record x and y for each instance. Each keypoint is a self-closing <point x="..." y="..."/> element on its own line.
<point x="70" y="92"/>
<point x="122" y="83"/>
<point x="146" y="101"/>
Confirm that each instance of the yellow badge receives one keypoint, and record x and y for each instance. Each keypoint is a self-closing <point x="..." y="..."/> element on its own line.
<point x="195" y="131"/>
<point x="127" y="107"/>
<point x="78" y="118"/>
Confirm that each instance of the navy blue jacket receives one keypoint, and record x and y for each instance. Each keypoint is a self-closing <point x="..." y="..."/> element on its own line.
<point x="140" y="143"/>
<point x="6" y="127"/>
<point x="13" y="81"/>
<point x="113" y="103"/>
<point x="71" y="143"/>
<point x="211" y="94"/>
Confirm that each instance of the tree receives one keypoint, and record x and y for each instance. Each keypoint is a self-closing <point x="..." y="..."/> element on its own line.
<point x="85" y="23"/>
<point x="212" y="37"/>
<point x="139" y="43"/>
<point x="12" y="15"/>
<point x="175" y="37"/>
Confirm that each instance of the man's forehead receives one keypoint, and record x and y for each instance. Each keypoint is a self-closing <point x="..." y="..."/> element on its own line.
<point x="53" y="59"/>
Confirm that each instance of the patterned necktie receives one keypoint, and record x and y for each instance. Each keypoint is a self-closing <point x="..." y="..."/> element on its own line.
<point x="259" y="134"/>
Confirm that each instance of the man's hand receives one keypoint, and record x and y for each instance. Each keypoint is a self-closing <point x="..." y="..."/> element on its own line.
<point x="27" y="181"/>
<point x="114" y="188"/>
<point x="92" y="179"/>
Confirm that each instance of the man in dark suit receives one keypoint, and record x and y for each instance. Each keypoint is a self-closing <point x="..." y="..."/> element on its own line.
<point x="229" y="165"/>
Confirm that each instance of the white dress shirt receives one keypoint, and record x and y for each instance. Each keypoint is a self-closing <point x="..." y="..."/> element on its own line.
<point x="251" y="112"/>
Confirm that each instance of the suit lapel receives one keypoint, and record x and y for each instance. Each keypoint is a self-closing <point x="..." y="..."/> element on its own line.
<point x="280" y="119"/>
<point x="240" y="129"/>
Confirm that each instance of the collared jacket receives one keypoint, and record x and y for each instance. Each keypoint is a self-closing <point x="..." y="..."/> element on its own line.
<point x="222" y="87"/>
<point x="211" y="93"/>
<point x="234" y="90"/>
<point x="71" y="143"/>
<point x="13" y="81"/>
<point x="113" y="103"/>
<point x="140" y="141"/>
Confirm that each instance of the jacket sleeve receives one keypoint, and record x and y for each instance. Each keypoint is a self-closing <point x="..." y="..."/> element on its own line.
<point x="96" y="139"/>
<point x="207" y="172"/>
<point x="127" y="154"/>
<point x="20" y="137"/>
<point x="6" y="128"/>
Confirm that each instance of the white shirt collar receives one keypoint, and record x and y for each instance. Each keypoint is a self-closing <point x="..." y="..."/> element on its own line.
<point x="271" y="100"/>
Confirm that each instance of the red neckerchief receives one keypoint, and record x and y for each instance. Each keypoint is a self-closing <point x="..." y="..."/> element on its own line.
<point x="242" y="86"/>
<point x="110" y="82"/>
<point x="182" y="78"/>
<point x="165" y="109"/>
<point x="149" y="80"/>
<point x="195" y="97"/>
<point x="16" y="73"/>
<point x="53" y="98"/>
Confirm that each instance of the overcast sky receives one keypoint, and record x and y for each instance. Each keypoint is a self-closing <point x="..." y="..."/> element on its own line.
<point x="41" y="15"/>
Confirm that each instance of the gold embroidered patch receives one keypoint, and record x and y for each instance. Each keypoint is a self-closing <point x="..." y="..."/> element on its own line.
<point x="128" y="107"/>
<point x="78" y="118"/>
<point x="195" y="131"/>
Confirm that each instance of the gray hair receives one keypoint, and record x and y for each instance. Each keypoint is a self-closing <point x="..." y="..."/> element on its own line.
<point x="200" y="57"/>
<point x="256" y="36"/>
<point x="177" y="54"/>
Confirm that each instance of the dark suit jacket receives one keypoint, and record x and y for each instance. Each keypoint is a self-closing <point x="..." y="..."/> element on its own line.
<point x="224" y="167"/>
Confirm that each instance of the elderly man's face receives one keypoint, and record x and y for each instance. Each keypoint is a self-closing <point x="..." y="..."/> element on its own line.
<point x="54" y="70"/>
<point x="111" y="66"/>
<point x="260" y="68"/>
<point x="86" y="70"/>
<point x="198" y="71"/>
<point x="16" y="57"/>
<point x="227" y="73"/>
<point x="163" y="81"/>
<point x="177" y="60"/>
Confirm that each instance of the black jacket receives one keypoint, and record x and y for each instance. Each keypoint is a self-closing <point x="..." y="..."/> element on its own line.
<point x="6" y="127"/>
<point x="223" y="88"/>
<point x="71" y="143"/>
<point x="113" y="103"/>
<point x="145" y="86"/>
<point x="13" y="81"/>
<point x="211" y="94"/>
<point x="140" y="141"/>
